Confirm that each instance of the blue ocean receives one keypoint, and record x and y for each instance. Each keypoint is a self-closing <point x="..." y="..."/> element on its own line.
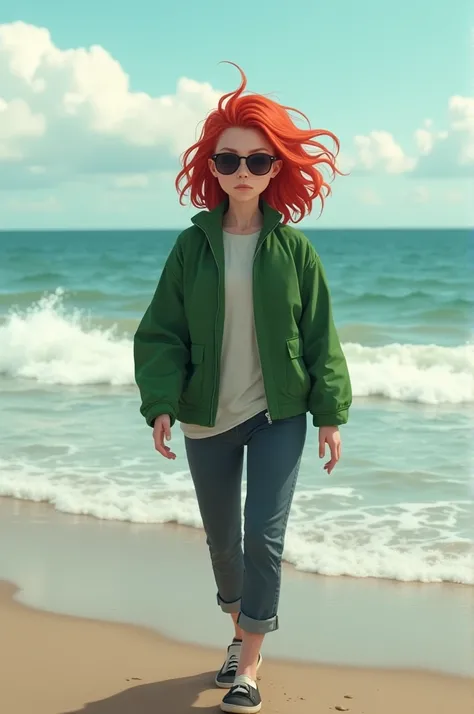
<point x="398" y="506"/>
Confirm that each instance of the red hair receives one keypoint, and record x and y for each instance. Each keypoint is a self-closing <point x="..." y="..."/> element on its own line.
<point x="299" y="182"/>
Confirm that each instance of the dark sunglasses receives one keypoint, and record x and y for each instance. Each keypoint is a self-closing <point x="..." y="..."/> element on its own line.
<point x="258" y="164"/>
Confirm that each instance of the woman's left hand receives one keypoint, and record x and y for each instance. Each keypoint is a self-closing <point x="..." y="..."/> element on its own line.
<point x="331" y="436"/>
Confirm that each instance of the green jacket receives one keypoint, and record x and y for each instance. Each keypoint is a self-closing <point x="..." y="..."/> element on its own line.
<point x="177" y="346"/>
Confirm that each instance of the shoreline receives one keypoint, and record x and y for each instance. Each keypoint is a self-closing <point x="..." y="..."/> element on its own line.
<point x="143" y="574"/>
<point x="59" y="664"/>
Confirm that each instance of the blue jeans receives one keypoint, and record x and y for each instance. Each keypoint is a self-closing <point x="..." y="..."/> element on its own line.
<point x="248" y="580"/>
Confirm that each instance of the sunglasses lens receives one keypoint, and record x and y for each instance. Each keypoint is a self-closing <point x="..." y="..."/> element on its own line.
<point x="259" y="164"/>
<point x="227" y="163"/>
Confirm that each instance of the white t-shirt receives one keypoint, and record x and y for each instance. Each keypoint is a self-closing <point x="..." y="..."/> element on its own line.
<point x="241" y="391"/>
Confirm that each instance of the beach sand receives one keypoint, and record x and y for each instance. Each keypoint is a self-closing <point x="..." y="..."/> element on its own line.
<point x="53" y="664"/>
<point x="367" y="646"/>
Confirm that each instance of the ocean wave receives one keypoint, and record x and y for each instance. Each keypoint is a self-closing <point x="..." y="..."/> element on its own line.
<point x="47" y="277"/>
<point x="409" y="298"/>
<point x="21" y="299"/>
<point x="360" y="541"/>
<point x="54" y="345"/>
<point x="428" y="374"/>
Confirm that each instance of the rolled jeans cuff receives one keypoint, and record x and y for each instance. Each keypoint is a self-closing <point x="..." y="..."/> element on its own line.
<point x="228" y="606"/>
<point x="257" y="627"/>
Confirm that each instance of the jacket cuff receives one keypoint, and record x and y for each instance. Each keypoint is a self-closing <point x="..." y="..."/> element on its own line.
<point x="335" y="419"/>
<point x="157" y="410"/>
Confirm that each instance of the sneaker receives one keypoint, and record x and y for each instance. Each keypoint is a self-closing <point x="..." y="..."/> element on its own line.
<point x="243" y="697"/>
<point x="226" y="675"/>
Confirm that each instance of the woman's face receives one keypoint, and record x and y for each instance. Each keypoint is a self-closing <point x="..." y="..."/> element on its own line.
<point x="242" y="185"/>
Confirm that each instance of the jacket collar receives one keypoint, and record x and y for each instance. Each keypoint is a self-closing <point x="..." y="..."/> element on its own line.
<point x="211" y="223"/>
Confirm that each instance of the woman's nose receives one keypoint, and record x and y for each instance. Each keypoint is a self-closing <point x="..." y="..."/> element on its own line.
<point x="242" y="170"/>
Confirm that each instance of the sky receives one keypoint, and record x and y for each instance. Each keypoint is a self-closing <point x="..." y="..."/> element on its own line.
<point x="99" y="100"/>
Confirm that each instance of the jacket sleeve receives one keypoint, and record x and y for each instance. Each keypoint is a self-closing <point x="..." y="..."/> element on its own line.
<point x="331" y="392"/>
<point x="161" y="344"/>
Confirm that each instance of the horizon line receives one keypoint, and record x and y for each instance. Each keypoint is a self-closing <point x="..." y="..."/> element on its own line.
<point x="174" y="228"/>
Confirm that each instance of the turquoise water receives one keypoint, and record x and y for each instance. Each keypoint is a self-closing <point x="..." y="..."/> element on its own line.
<point x="397" y="506"/>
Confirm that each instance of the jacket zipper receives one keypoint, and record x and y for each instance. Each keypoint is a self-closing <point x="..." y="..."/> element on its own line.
<point x="217" y="359"/>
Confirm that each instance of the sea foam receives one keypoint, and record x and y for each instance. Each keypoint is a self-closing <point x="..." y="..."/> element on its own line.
<point x="52" y="345"/>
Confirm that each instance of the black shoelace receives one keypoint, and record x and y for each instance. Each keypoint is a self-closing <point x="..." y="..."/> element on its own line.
<point x="231" y="665"/>
<point x="241" y="689"/>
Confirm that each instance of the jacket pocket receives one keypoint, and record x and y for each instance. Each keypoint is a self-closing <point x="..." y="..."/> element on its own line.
<point x="192" y="392"/>
<point x="297" y="377"/>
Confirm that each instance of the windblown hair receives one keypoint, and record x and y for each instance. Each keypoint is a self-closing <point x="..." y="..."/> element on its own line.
<point x="300" y="180"/>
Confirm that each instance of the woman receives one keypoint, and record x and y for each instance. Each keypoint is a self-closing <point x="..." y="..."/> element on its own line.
<point x="238" y="344"/>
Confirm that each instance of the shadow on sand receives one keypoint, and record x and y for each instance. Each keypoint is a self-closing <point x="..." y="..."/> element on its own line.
<point x="172" y="696"/>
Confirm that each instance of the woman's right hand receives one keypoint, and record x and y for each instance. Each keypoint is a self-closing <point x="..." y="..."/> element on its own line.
<point x="162" y="431"/>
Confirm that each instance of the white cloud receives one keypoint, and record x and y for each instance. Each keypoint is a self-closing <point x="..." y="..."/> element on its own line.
<point x="462" y="121"/>
<point x="17" y="122"/>
<point x="379" y="151"/>
<point x="440" y="152"/>
<point x="462" y="113"/>
<point x="67" y="113"/>
<point x="426" y="137"/>
<point x="72" y="111"/>
<point x="448" y="152"/>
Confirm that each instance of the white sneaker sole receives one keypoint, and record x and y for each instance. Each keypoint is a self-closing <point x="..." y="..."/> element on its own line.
<point x="235" y="709"/>
<point x="226" y="685"/>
